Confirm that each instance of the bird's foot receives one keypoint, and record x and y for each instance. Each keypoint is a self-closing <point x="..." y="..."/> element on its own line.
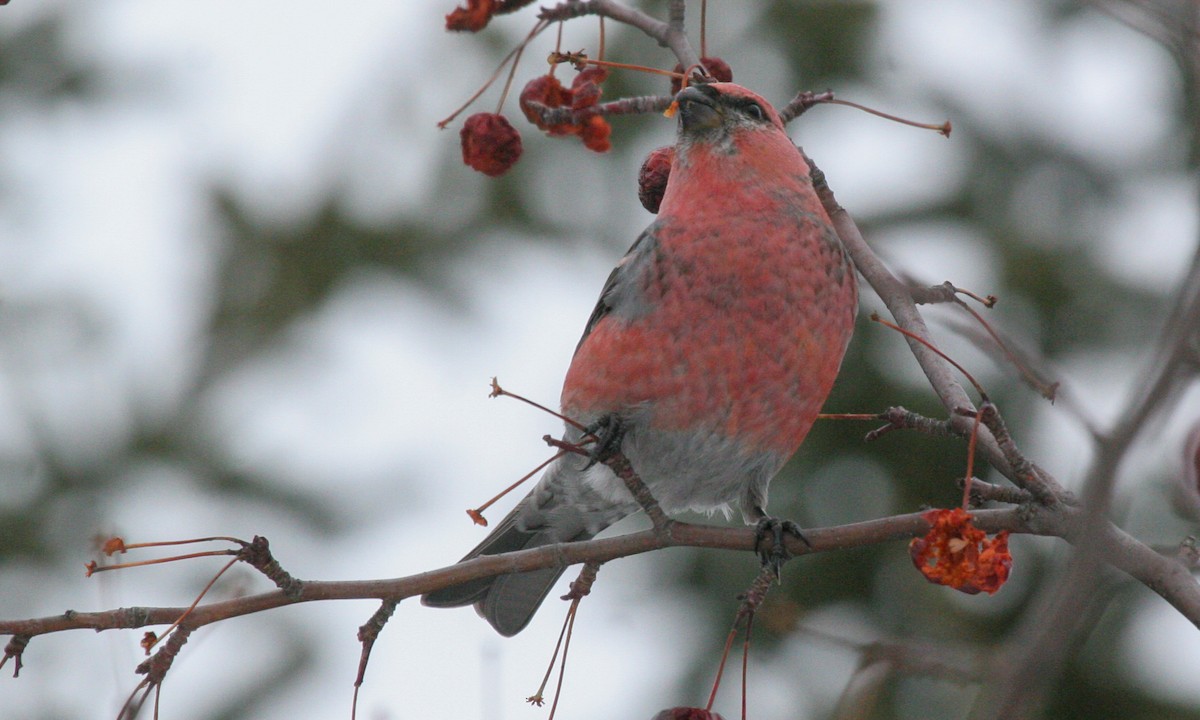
<point x="774" y="528"/>
<point x="608" y="431"/>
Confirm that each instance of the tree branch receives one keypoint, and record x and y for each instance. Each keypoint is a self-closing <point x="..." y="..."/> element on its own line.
<point x="898" y="298"/>
<point x="1164" y="575"/>
<point x="669" y="35"/>
<point x="598" y="550"/>
<point x="1041" y="647"/>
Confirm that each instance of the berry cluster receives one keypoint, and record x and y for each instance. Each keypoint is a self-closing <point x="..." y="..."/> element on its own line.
<point x="546" y="92"/>
<point x="490" y="143"/>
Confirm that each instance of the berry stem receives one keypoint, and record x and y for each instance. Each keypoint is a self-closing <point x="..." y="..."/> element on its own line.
<point x="712" y="696"/>
<point x="971" y="461"/>
<point x="601" y="52"/>
<point x="498" y="391"/>
<point x="849" y="416"/>
<point x="93" y="568"/>
<point x="579" y="58"/>
<point x="195" y="602"/>
<point x="944" y="129"/>
<point x="515" y="52"/>
<point x="913" y="336"/>
<point x="477" y="513"/>
<point x="557" y="45"/>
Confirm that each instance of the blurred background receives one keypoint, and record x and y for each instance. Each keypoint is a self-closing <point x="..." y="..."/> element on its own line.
<point x="247" y="287"/>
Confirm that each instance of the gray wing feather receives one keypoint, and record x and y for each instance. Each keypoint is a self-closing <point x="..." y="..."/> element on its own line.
<point x="560" y="509"/>
<point x="507" y="602"/>
<point x="623" y="291"/>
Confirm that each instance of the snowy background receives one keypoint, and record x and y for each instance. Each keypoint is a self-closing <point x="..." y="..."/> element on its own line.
<point x="247" y="288"/>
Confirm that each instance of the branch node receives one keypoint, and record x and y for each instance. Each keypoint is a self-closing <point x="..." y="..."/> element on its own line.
<point x="367" y="634"/>
<point x="15" y="649"/>
<point x="257" y="553"/>
<point x="1025" y="473"/>
<point x="1187" y="553"/>
<point x="622" y="468"/>
<point x="900" y="418"/>
<point x="155" y="668"/>
<point x="581" y="586"/>
<point x="983" y="492"/>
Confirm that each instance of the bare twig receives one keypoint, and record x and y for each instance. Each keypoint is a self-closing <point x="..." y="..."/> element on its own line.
<point x="899" y="418"/>
<point x="982" y="492"/>
<point x="897" y="296"/>
<point x="667" y="34"/>
<point x="1164" y="575"/>
<point x="802" y="103"/>
<point x="1041" y="647"/>
<point x="625" y="106"/>
<point x="898" y="299"/>
<point x="368" y="633"/>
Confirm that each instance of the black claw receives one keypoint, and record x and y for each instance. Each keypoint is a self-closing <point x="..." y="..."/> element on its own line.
<point x="608" y="431"/>
<point x="778" y="554"/>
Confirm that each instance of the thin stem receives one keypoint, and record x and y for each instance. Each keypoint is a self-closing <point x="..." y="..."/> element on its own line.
<point x="477" y="513"/>
<point x="498" y="391"/>
<point x="93" y="568"/>
<point x="195" y="602"/>
<point x="849" y="416"/>
<point x="966" y="499"/>
<point x="934" y="348"/>
<point x="540" y="696"/>
<point x="562" y="668"/>
<point x="578" y="59"/>
<point x="167" y="543"/>
<point x="712" y="696"/>
<point x="944" y="129"/>
<point x="746" y="662"/>
<point x="1046" y="390"/>
<point x="557" y="47"/>
<point x="537" y="29"/>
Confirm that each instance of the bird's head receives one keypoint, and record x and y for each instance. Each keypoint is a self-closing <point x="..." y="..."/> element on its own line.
<point x="715" y="112"/>
<point x="731" y="143"/>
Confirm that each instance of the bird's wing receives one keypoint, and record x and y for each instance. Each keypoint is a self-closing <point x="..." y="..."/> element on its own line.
<point x="623" y="291"/>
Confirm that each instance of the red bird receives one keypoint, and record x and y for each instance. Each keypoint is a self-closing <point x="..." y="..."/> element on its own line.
<point x="714" y="344"/>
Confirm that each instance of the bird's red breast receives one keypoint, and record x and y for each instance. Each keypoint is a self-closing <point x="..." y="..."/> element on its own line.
<point x="749" y="302"/>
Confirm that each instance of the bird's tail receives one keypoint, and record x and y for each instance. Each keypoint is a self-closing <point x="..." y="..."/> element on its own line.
<point x="507" y="602"/>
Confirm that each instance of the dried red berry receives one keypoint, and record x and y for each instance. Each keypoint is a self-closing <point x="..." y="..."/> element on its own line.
<point x="473" y="18"/>
<point x="490" y="144"/>
<point x="717" y="68"/>
<point x="585" y="88"/>
<point x="548" y="91"/>
<point x="652" y="178"/>
<point x="957" y="554"/>
<point x="595" y="132"/>
<point x="583" y="94"/>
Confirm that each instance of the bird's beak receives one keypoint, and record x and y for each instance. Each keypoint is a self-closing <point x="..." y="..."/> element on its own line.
<point x="697" y="111"/>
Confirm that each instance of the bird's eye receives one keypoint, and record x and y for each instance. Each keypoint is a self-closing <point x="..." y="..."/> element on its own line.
<point x="755" y="111"/>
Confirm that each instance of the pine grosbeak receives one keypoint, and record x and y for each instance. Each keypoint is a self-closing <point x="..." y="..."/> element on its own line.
<point x="714" y="344"/>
